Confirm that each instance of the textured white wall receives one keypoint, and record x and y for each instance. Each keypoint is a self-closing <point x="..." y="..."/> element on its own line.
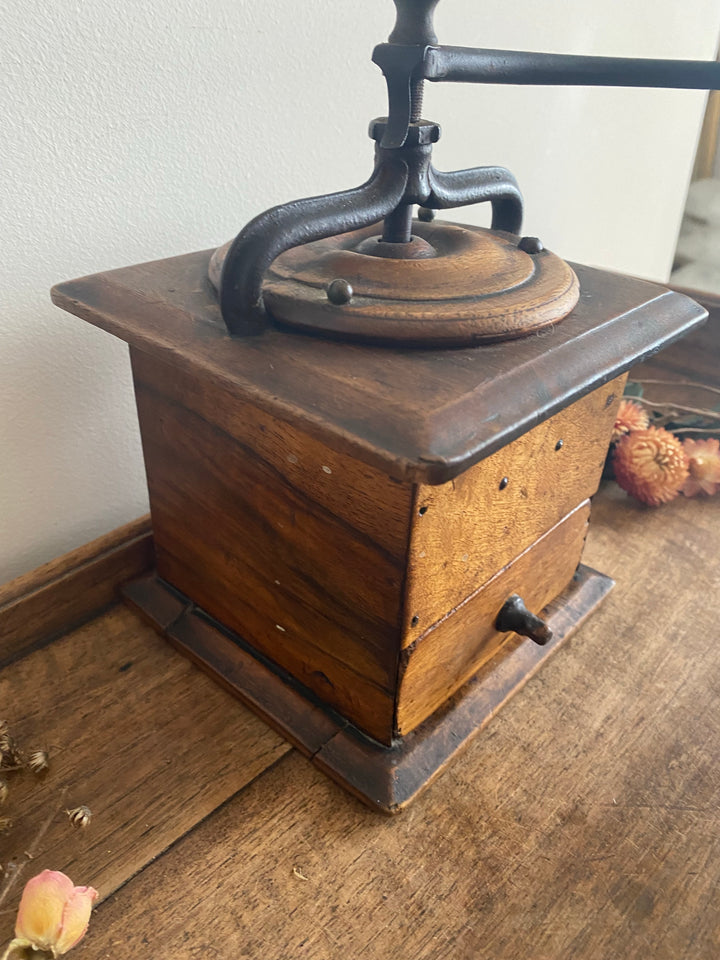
<point x="139" y="130"/>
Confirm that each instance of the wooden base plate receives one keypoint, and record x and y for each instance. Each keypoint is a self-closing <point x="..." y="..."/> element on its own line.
<point x="386" y="778"/>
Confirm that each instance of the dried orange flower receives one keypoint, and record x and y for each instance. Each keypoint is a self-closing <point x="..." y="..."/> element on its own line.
<point x="630" y="416"/>
<point x="704" y="465"/>
<point x="651" y="465"/>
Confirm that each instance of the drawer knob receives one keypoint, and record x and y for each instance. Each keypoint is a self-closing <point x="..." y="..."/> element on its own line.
<point x="515" y="616"/>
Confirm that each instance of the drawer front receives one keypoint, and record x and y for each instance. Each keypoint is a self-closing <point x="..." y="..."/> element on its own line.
<point x="447" y="656"/>
<point x="466" y="530"/>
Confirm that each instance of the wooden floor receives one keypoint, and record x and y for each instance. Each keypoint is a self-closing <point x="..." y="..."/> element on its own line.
<point x="583" y="823"/>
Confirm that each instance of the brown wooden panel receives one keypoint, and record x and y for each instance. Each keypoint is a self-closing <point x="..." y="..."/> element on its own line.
<point x="466" y="530"/>
<point x="434" y="667"/>
<point x="582" y="824"/>
<point x="65" y="592"/>
<point x="350" y="490"/>
<point x="266" y="557"/>
<point x="135" y="732"/>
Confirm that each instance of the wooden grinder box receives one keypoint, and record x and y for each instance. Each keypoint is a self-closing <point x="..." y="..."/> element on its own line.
<point x="375" y="542"/>
<point x="339" y="526"/>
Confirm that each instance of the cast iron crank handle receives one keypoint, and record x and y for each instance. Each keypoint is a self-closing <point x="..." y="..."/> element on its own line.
<point x="413" y="55"/>
<point x="515" y="616"/>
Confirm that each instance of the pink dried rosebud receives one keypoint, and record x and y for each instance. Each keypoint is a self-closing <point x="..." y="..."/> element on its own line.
<point x="54" y="914"/>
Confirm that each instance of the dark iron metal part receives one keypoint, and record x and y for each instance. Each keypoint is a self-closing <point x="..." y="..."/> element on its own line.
<point x="404" y="175"/>
<point x="514" y="616"/>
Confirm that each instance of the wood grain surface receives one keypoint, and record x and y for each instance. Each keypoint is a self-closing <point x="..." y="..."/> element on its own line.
<point x="293" y="555"/>
<point x="136" y="733"/>
<point x="478" y="287"/>
<point x="443" y="659"/>
<point x="584" y="822"/>
<point x="386" y="778"/>
<point x="423" y="415"/>
<point x="69" y="590"/>
<point x="466" y="530"/>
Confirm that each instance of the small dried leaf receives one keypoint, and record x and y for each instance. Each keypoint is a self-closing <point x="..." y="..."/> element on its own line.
<point x="10" y="753"/>
<point x="38" y="761"/>
<point x="80" y="816"/>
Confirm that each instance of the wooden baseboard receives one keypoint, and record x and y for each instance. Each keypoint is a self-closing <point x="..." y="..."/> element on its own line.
<point x="65" y="592"/>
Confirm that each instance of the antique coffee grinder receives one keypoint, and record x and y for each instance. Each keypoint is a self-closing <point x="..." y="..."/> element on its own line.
<point x="370" y="439"/>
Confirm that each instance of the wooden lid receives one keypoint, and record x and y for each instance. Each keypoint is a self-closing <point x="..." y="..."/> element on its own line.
<point x="423" y="415"/>
<point x="467" y="285"/>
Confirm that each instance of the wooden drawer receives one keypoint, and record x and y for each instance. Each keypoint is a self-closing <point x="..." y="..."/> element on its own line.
<point x="466" y="530"/>
<point x="445" y="657"/>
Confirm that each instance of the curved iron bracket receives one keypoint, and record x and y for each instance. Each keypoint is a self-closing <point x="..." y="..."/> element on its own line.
<point x="291" y="224"/>
<point x="403" y="173"/>
<point x="497" y="185"/>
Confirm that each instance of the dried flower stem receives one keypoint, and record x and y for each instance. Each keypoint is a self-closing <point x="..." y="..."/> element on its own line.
<point x="696" y="430"/>
<point x="679" y="408"/>
<point x="677" y="383"/>
<point x="30" y="853"/>
<point x="13" y="945"/>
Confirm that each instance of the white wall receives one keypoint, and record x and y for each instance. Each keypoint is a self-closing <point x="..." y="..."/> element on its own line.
<point x="139" y="130"/>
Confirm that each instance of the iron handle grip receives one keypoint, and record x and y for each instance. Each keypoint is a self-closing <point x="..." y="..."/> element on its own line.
<point x="515" y="616"/>
<point x="476" y="65"/>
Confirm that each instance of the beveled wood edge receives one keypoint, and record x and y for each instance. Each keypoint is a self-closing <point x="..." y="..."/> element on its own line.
<point x="707" y="299"/>
<point x="385" y="778"/>
<point x="445" y="456"/>
<point x="65" y="592"/>
<point x="679" y="316"/>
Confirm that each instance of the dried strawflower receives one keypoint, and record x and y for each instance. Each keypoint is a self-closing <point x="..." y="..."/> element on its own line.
<point x="651" y="465"/>
<point x="3" y="791"/>
<point x="704" y="465"/>
<point x="80" y="816"/>
<point x="54" y="914"/>
<point x="38" y="761"/>
<point x="630" y="416"/>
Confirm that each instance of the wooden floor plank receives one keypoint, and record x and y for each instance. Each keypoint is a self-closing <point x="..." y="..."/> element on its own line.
<point x="134" y="731"/>
<point x="583" y="823"/>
